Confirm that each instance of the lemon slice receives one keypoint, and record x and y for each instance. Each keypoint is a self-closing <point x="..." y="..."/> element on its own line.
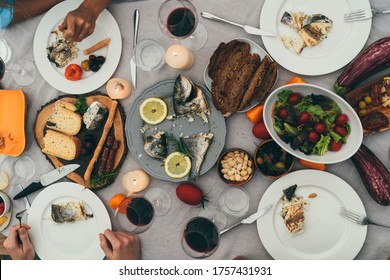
<point x="153" y="110"/>
<point x="3" y="180"/>
<point x="177" y="165"/>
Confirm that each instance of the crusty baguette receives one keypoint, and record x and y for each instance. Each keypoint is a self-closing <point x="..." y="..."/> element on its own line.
<point x="67" y="147"/>
<point x="100" y="145"/>
<point x="268" y="82"/>
<point x="97" y="46"/>
<point x="256" y="82"/>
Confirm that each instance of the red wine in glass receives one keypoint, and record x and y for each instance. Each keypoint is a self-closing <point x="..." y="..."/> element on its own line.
<point x="181" y="22"/>
<point x="139" y="211"/>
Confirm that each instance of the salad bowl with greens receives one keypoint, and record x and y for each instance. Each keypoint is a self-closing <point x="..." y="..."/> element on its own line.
<point x="312" y="123"/>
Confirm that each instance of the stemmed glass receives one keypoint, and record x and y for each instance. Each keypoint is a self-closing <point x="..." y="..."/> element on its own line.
<point x="23" y="71"/>
<point x="17" y="170"/>
<point x="179" y="19"/>
<point x="200" y="237"/>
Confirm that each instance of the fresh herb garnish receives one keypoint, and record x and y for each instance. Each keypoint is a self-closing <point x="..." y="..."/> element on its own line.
<point x="178" y="146"/>
<point x="81" y="105"/>
<point x="102" y="179"/>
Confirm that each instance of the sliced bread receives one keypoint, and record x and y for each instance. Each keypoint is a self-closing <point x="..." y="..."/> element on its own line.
<point x="63" y="119"/>
<point x="60" y="145"/>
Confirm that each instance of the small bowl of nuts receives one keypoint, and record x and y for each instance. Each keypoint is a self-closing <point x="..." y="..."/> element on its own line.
<point x="235" y="167"/>
<point x="272" y="160"/>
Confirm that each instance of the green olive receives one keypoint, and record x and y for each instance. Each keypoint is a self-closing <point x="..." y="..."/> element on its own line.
<point x="280" y="165"/>
<point x="362" y="105"/>
<point x="363" y="112"/>
<point x="85" y="65"/>
<point x="368" y="100"/>
<point x="259" y="160"/>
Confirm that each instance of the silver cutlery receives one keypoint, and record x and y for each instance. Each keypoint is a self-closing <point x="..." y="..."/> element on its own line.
<point x="363" y="14"/>
<point x="250" y="219"/>
<point x="358" y="218"/>
<point x="19" y="216"/>
<point x="247" y="28"/>
<point x="133" y="66"/>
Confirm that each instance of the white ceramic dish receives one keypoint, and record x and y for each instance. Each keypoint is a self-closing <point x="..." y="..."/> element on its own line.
<point x="106" y="26"/>
<point x="344" y="41"/>
<point x="327" y="235"/>
<point x="354" y="139"/>
<point x="67" y="241"/>
<point x="255" y="48"/>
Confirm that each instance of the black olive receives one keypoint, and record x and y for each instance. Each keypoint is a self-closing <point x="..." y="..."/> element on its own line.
<point x="92" y="57"/>
<point x="100" y="59"/>
<point x="94" y="67"/>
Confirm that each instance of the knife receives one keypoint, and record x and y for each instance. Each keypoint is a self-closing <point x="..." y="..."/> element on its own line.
<point x="248" y="29"/>
<point x="133" y="66"/>
<point x="47" y="179"/>
<point x="249" y="219"/>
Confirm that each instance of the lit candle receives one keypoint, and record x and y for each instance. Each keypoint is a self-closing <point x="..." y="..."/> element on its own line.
<point x="135" y="181"/>
<point x="179" y="57"/>
<point x="118" y="88"/>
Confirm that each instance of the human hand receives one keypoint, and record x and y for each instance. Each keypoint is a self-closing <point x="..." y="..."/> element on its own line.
<point x="120" y="245"/>
<point x="18" y="244"/>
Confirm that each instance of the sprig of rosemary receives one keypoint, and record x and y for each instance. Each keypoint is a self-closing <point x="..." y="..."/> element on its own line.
<point x="178" y="146"/>
<point x="100" y="180"/>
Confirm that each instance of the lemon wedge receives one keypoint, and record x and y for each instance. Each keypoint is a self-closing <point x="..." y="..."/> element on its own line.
<point x="153" y="110"/>
<point x="3" y="180"/>
<point x="177" y="165"/>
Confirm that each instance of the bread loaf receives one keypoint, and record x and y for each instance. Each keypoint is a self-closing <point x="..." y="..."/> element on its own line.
<point x="60" y="145"/>
<point x="64" y="119"/>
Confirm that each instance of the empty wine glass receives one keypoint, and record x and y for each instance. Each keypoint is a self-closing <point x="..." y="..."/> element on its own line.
<point x="160" y="199"/>
<point x="179" y="19"/>
<point x="135" y="214"/>
<point x="17" y="170"/>
<point x="23" y="72"/>
<point x="200" y="238"/>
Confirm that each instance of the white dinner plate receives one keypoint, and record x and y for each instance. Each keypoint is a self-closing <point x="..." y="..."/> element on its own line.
<point x="106" y="27"/>
<point x="344" y="41"/>
<point x="327" y="235"/>
<point x="254" y="48"/>
<point x="67" y="241"/>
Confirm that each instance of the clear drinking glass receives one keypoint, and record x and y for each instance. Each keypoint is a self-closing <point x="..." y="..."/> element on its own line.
<point x="200" y="238"/>
<point x="149" y="55"/>
<point x="234" y="201"/>
<point x="179" y="19"/>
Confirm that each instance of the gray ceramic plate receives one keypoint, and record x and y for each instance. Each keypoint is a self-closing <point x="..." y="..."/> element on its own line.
<point x="179" y="127"/>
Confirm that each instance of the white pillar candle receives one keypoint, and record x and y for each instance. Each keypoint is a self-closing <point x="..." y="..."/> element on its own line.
<point x="178" y="57"/>
<point x="118" y="88"/>
<point x="135" y="181"/>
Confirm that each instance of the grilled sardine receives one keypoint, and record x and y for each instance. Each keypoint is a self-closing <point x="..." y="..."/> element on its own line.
<point x="69" y="212"/>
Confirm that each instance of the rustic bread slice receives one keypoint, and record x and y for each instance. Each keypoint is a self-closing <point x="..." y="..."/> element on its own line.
<point x="64" y="120"/>
<point x="60" y="145"/>
<point x="231" y="63"/>
<point x="255" y="82"/>
<point x="268" y="82"/>
<point x="218" y="59"/>
<point x="64" y="104"/>
<point x="238" y="82"/>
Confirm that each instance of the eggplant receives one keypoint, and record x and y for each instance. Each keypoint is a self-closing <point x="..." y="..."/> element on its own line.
<point x="373" y="59"/>
<point x="374" y="174"/>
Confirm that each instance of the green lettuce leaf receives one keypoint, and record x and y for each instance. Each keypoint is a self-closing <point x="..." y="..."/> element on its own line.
<point x="322" y="145"/>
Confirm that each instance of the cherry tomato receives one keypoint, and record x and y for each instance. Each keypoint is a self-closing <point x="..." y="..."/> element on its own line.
<point x="341" y="119"/>
<point x="294" y="98"/>
<point x="73" y="72"/>
<point x="340" y="130"/>
<point x="335" y="146"/>
<point x="313" y="137"/>
<point x="319" y="127"/>
<point x="283" y="113"/>
<point x="304" y="118"/>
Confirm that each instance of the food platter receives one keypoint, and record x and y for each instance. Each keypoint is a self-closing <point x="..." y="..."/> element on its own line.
<point x="327" y="235"/>
<point x="178" y="127"/>
<point x="354" y="139"/>
<point x="117" y="131"/>
<point x="343" y="43"/>
<point x="67" y="241"/>
<point x="254" y="48"/>
<point x="106" y="27"/>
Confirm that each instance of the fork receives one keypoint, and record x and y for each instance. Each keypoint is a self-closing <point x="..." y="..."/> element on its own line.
<point x="357" y="218"/>
<point x="19" y="216"/>
<point x="363" y="14"/>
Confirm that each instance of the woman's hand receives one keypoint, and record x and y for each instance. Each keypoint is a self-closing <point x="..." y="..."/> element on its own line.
<point x="120" y="245"/>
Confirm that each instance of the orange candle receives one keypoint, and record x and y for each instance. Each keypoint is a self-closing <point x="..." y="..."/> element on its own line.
<point x="178" y="57"/>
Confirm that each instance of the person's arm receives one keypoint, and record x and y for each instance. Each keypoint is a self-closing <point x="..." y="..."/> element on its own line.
<point x="24" y="9"/>
<point x="18" y="244"/>
<point x="120" y="245"/>
<point x="80" y="23"/>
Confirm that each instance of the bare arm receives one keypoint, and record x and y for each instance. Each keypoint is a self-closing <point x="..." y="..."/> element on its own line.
<point x="24" y="9"/>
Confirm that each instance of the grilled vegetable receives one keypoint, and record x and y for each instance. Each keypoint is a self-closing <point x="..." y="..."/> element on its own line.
<point x="374" y="175"/>
<point x="372" y="60"/>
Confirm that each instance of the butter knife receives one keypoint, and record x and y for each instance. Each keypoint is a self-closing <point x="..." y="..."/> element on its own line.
<point x="247" y="28"/>
<point x="133" y="66"/>
<point x="249" y="219"/>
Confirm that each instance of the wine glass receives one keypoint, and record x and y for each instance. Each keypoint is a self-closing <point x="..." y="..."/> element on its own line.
<point x="23" y="72"/>
<point x="160" y="199"/>
<point x="135" y="213"/>
<point x="17" y="170"/>
<point x="200" y="237"/>
<point x="179" y="19"/>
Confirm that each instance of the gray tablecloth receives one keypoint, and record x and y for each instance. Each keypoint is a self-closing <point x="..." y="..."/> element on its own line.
<point x="162" y="240"/>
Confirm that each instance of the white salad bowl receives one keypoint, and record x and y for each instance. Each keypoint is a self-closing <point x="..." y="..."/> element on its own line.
<point x="354" y="139"/>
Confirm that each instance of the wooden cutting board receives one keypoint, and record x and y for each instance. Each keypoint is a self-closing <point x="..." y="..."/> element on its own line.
<point x="117" y="131"/>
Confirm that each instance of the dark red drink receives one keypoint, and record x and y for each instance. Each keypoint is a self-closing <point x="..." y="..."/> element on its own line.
<point x="201" y="235"/>
<point x="181" y="22"/>
<point x="139" y="211"/>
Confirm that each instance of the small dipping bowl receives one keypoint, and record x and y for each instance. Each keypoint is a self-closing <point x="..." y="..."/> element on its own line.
<point x="235" y="167"/>
<point x="234" y="201"/>
<point x="5" y="204"/>
<point x="149" y="55"/>
<point x="272" y="160"/>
